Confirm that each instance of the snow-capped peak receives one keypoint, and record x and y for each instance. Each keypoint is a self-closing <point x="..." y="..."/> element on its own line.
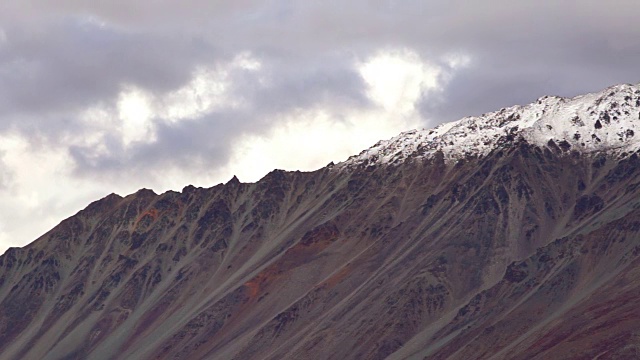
<point x="608" y="120"/>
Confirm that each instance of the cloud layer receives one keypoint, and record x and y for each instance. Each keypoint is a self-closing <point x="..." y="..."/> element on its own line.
<point x="100" y="97"/>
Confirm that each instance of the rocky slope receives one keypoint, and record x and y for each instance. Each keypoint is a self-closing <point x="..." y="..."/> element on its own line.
<point x="428" y="245"/>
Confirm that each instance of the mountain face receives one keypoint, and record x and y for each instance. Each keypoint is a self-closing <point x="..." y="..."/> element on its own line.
<point x="511" y="235"/>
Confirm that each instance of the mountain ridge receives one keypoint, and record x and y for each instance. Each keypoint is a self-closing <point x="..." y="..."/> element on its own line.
<point x="602" y="121"/>
<point x="522" y="252"/>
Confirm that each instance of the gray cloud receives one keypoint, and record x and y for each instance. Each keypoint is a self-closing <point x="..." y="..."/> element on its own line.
<point x="75" y="63"/>
<point x="299" y="83"/>
<point x="63" y="57"/>
<point x="206" y="141"/>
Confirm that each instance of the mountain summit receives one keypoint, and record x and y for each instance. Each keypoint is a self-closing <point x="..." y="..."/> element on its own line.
<point x="604" y="121"/>
<point x="515" y="235"/>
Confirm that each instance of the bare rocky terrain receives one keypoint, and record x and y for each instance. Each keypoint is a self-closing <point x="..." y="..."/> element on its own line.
<point x="527" y="251"/>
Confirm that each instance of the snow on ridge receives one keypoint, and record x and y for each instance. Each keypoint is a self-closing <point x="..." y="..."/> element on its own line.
<point x="607" y="120"/>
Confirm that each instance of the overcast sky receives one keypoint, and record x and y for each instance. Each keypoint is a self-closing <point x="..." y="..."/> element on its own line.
<point x="111" y="96"/>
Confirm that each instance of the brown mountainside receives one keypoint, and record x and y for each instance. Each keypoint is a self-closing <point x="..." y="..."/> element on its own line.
<point x="527" y="252"/>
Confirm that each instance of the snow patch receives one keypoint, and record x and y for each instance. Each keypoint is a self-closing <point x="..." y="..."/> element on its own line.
<point x="604" y="121"/>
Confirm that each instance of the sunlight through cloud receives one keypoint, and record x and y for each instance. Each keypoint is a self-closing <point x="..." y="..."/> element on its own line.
<point x="397" y="78"/>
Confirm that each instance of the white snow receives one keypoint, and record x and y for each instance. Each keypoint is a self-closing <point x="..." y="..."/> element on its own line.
<point x="604" y="121"/>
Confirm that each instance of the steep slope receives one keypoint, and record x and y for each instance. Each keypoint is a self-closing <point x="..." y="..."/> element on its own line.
<point x="422" y="247"/>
